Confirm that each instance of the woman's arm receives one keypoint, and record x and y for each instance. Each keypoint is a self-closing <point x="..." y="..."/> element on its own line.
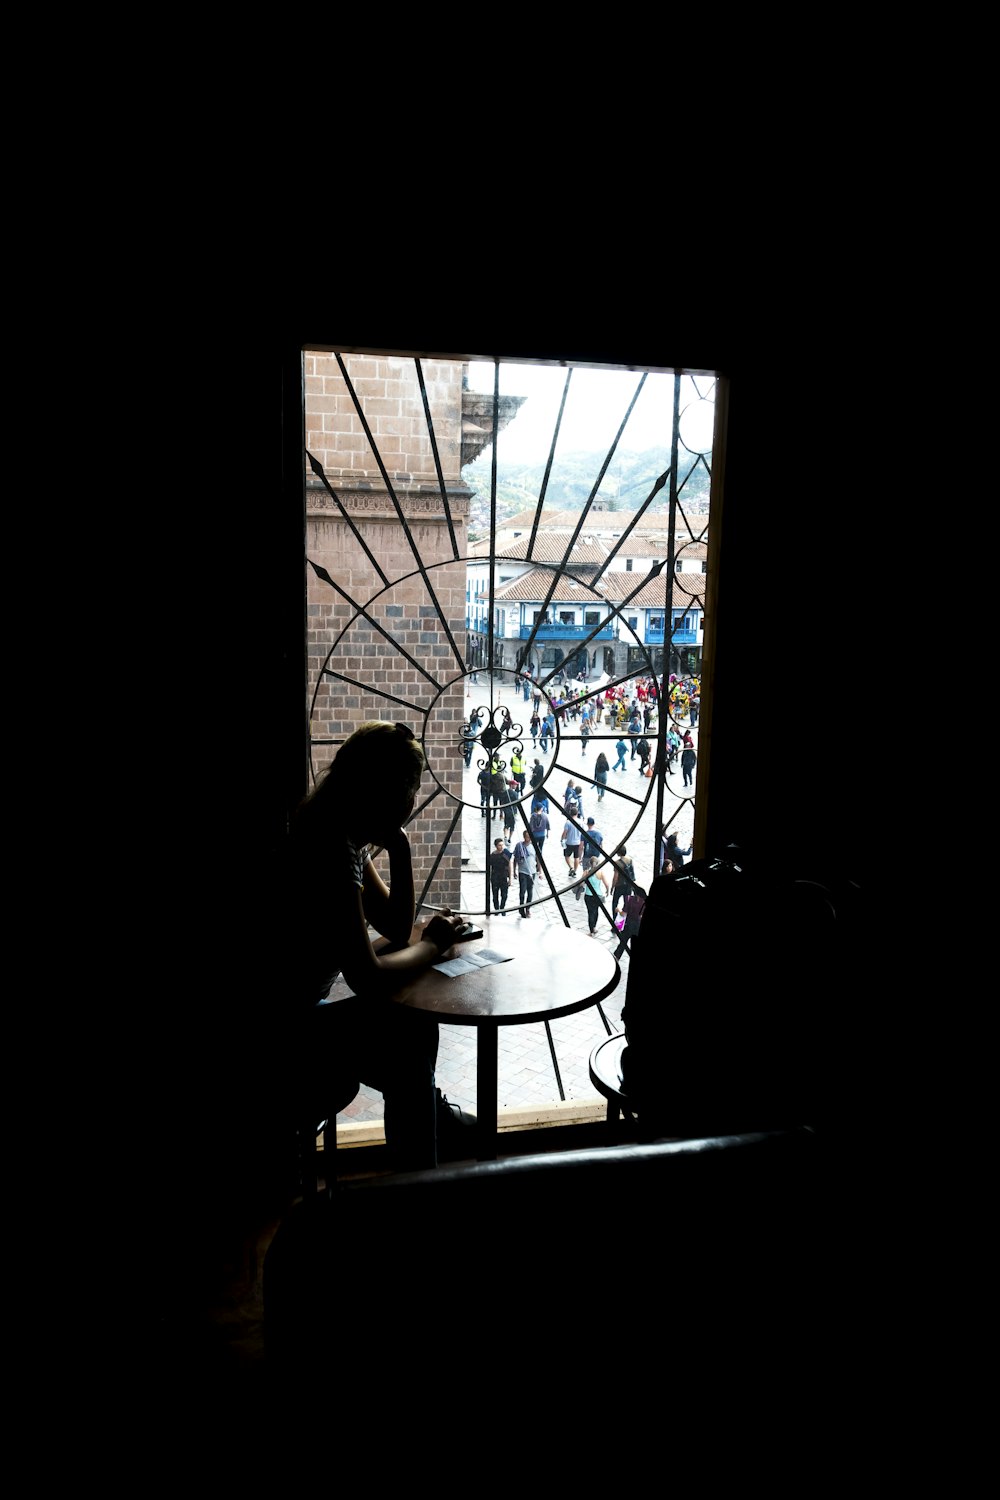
<point x="390" y="909"/>
<point x="371" y="969"/>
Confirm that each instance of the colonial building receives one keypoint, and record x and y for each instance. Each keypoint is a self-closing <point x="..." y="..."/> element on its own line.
<point x="578" y="627"/>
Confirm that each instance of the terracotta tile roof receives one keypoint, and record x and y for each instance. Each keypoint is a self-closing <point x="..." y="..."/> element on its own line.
<point x="615" y="586"/>
<point x="523" y="521"/>
<point x="547" y="549"/>
<point x="656" y="546"/>
<point x="550" y="548"/>
<point x="532" y="587"/>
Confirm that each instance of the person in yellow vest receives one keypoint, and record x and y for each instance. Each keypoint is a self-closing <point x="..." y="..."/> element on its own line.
<point x="517" y="769"/>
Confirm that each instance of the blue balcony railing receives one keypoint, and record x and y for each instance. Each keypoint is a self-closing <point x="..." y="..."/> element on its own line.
<point x="678" y="637"/>
<point x="564" y="632"/>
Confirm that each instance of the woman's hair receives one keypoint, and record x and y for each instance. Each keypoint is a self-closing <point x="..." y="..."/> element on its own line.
<point x="374" y="758"/>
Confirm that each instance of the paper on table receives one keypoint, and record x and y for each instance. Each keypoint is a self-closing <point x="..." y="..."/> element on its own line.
<point x="470" y="961"/>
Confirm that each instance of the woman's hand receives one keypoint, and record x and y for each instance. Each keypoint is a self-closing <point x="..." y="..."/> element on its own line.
<point x="443" y="931"/>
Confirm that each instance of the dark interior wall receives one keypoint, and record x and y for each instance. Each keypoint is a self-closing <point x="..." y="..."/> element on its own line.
<point x="793" y="676"/>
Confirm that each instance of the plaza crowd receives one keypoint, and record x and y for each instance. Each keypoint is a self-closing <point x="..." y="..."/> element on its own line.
<point x="631" y="710"/>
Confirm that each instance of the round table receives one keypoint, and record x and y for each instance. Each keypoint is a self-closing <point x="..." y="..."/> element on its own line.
<point x="551" y="971"/>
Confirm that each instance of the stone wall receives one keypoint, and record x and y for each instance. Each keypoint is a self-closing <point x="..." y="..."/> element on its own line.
<point x="415" y="665"/>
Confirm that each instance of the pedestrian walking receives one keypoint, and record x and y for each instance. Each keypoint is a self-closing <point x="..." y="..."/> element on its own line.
<point x="643" y="750"/>
<point x="688" y="762"/>
<point x="622" y="750"/>
<point x="538" y="825"/>
<point x="509" y="814"/>
<point x="594" y="885"/>
<point x="601" y="770"/>
<point x="635" y="905"/>
<point x="525" y="868"/>
<point x="500" y="861"/>
<point x="593" y="841"/>
<point x="624" y="877"/>
<point x="585" y="733"/>
<point x="571" y="848"/>
<point x="535" y="724"/>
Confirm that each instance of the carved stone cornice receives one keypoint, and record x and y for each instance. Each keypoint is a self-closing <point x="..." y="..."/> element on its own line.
<point x="477" y="420"/>
<point x="423" y="502"/>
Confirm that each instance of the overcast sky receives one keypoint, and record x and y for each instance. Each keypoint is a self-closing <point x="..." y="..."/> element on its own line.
<point x="595" y="406"/>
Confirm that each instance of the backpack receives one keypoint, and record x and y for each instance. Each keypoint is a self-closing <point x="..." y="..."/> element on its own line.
<point x="712" y="1053"/>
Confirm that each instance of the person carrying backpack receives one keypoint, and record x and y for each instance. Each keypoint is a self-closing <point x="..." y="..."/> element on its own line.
<point x="539" y="827"/>
<point x="624" y="878"/>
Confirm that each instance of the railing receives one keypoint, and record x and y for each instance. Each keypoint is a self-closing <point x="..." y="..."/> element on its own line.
<point x="677" y="637"/>
<point x="564" y="632"/>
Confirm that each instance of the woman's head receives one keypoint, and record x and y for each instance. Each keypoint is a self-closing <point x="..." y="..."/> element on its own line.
<point x="374" y="778"/>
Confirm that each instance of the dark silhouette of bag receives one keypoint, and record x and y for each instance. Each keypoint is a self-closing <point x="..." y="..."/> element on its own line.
<point x="735" y="976"/>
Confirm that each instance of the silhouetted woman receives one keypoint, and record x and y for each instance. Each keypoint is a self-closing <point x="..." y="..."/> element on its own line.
<point x="332" y="893"/>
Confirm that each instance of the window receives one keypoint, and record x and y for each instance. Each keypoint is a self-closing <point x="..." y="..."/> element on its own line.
<point x="390" y="471"/>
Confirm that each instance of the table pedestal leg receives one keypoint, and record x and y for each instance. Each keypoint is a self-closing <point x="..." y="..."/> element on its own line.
<point x="486" y="1089"/>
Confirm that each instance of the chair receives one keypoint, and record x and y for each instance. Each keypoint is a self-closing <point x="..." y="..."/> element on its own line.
<point x="606" y="1076"/>
<point x="342" y="1093"/>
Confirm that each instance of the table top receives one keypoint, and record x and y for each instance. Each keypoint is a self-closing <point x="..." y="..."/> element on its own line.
<point x="552" y="971"/>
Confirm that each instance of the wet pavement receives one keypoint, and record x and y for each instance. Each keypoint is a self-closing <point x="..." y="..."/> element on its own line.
<point x="527" y="1075"/>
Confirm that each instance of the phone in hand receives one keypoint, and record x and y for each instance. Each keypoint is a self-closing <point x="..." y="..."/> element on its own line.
<point x="467" y="933"/>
